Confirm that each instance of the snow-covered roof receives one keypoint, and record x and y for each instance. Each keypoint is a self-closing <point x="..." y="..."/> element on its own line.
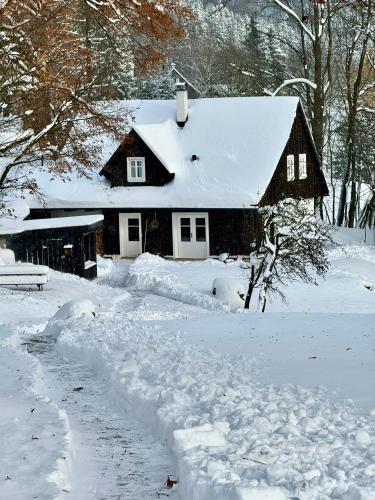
<point x="14" y="226"/>
<point x="238" y="140"/>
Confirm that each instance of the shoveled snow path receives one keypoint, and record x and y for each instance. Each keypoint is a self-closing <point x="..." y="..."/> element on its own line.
<point x="114" y="458"/>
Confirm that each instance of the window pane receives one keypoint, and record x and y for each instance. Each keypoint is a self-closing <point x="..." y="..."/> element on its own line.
<point x="133" y="233"/>
<point x="132" y="172"/>
<point x="139" y="172"/>
<point x="200" y="232"/>
<point x="185" y="221"/>
<point x="185" y="233"/>
<point x="290" y="167"/>
<point x="133" y="222"/>
<point x="139" y="163"/>
<point x="132" y="163"/>
<point x="200" y="221"/>
<point x="302" y="166"/>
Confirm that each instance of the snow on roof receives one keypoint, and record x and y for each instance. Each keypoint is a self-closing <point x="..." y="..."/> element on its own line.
<point x="238" y="140"/>
<point x="14" y="226"/>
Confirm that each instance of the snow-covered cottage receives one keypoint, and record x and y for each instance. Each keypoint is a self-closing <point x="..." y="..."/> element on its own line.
<point x="188" y="178"/>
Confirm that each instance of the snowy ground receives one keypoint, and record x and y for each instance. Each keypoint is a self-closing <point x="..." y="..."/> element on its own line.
<point x="154" y="377"/>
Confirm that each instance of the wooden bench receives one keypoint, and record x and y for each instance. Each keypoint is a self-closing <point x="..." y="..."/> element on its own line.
<point x="12" y="273"/>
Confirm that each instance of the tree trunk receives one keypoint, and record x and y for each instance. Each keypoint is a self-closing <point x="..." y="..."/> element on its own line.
<point x="250" y="288"/>
<point x="319" y="101"/>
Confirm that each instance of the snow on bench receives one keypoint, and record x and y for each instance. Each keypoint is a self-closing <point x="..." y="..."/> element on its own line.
<point x="12" y="273"/>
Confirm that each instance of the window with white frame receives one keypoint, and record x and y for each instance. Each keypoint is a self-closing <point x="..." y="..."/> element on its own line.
<point x="136" y="169"/>
<point x="302" y="168"/>
<point x="290" y="167"/>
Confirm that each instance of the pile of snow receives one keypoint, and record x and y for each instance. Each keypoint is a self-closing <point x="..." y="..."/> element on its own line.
<point x="233" y="438"/>
<point x="70" y="311"/>
<point x="74" y="309"/>
<point x="153" y="274"/>
<point x="229" y="291"/>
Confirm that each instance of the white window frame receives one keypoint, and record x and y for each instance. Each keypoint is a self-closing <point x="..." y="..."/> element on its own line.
<point x="302" y="166"/>
<point x="290" y="173"/>
<point x="136" y="178"/>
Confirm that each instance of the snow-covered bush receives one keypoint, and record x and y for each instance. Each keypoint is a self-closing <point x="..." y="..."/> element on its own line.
<point x="229" y="291"/>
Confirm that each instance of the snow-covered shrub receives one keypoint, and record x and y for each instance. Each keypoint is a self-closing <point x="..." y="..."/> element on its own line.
<point x="229" y="291"/>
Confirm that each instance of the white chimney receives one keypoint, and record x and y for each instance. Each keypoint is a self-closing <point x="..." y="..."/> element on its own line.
<point x="182" y="103"/>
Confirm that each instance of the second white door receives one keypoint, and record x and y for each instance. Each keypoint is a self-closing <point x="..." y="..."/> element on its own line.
<point x="190" y="235"/>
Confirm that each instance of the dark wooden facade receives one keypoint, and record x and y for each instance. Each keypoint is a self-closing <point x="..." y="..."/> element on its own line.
<point x="314" y="186"/>
<point x="230" y="231"/>
<point x="115" y="170"/>
<point x="69" y="249"/>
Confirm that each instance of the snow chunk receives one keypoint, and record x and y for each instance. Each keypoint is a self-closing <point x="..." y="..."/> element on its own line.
<point x="206" y="435"/>
<point x="229" y="291"/>
<point x="262" y="494"/>
<point x="362" y="438"/>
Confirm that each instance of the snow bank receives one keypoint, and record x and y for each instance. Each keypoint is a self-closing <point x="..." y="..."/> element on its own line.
<point x="233" y="438"/>
<point x="229" y="291"/>
<point x="153" y="274"/>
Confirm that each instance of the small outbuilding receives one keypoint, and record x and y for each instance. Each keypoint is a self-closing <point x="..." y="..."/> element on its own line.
<point x="66" y="244"/>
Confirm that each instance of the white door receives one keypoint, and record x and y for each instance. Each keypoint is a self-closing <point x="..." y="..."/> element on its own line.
<point x="130" y="235"/>
<point x="190" y="235"/>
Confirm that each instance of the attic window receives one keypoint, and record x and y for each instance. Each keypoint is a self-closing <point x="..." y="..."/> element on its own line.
<point x="290" y="167"/>
<point x="302" y="170"/>
<point x="136" y="169"/>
